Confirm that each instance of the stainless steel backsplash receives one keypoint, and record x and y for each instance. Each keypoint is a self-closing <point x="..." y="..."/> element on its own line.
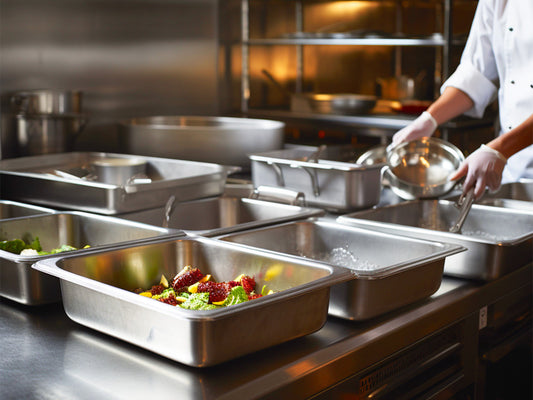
<point x="129" y="58"/>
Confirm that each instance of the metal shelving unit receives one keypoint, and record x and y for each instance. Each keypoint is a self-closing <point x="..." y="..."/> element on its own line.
<point x="442" y="40"/>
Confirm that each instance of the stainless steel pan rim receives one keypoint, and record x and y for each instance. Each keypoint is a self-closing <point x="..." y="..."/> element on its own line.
<point x="201" y="122"/>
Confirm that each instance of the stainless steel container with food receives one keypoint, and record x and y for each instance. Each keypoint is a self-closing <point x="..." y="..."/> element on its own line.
<point x="221" y="140"/>
<point x="15" y="209"/>
<point x="66" y="181"/>
<point x="97" y="291"/>
<point x="498" y="240"/>
<point x="389" y="271"/>
<point x="335" y="186"/>
<point x="22" y="284"/>
<point x="222" y="214"/>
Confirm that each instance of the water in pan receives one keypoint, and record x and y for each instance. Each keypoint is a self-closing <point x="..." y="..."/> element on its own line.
<point x="343" y="257"/>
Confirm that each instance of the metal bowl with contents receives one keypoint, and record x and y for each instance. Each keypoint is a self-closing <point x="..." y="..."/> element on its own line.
<point x="221" y="140"/>
<point x="421" y="168"/>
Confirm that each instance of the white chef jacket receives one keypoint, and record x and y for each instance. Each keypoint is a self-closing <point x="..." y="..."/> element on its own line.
<point x="498" y="60"/>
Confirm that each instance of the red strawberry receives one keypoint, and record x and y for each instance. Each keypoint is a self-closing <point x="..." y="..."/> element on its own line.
<point x="186" y="278"/>
<point x="218" y="291"/>
<point x="248" y="284"/>
<point x="157" y="289"/>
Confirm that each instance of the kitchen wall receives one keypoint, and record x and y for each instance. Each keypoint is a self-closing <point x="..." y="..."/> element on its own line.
<point x="129" y="57"/>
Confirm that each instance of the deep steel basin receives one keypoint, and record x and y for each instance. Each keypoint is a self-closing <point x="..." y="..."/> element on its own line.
<point x="19" y="282"/>
<point x="389" y="271"/>
<point x="97" y="292"/>
<point x="498" y="240"/>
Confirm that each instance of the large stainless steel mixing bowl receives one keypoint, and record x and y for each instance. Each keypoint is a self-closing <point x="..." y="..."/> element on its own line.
<point x="220" y="140"/>
<point x="421" y="168"/>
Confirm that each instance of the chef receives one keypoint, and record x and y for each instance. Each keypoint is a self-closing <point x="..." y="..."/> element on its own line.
<point x="497" y="61"/>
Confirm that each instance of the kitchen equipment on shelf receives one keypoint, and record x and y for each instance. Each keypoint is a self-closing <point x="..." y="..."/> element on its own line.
<point x="498" y="240"/>
<point x="420" y="168"/>
<point x="327" y="103"/>
<point x="401" y="87"/>
<point x="20" y="283"/>
<point x="222" y="140"/>
<point x="98" y="292"/>
<point x="36" y="180"/>
<point x="407" y="271"/>
<point x="333" y="185"/>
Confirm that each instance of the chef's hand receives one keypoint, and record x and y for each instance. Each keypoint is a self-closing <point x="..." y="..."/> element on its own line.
<point x="483" y="168"/>
<point x="424" y="126"/>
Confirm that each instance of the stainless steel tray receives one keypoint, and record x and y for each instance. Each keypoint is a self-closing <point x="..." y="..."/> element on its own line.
<point x="14" y="209"/>
<point x="333" y="185"/>
<point x="389" y="271"/>
<point x="514" y="195"/>
<point x="498" y="240"/>
<point x="97" y="292"/>
<point x="223" y="214"/>
<point x="35" y="180"/>
<point x="20" y="283"/>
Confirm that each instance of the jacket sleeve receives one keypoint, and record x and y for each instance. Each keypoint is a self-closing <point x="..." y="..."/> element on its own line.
<point x="477" y="74"/>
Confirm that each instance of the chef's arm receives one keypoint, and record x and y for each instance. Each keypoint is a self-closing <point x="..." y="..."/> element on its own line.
<point x="514" y="140"/>
<point x="450" y="104"/>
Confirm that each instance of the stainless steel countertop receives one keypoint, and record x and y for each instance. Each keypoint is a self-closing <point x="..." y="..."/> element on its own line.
<point x="45" y="355"/>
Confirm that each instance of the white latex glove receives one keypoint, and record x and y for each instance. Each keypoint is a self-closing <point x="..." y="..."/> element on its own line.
<point x="424" y="126"/>
<point x="483" y="168"/>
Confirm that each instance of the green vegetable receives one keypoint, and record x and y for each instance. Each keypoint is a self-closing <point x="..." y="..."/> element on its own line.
<point x="13" y="246"/>
<point x="198" y="301"/>
<point x="17" y="245"/>
<point x="165" y="294"/>
<point x="236" y="295"/>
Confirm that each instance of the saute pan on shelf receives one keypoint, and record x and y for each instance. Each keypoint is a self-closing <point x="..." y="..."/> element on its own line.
<point x="327" y="103"/>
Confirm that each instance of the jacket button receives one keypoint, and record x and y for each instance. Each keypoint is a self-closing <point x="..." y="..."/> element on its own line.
<point x="512" y="82"/>
<point x="510" y="29"/>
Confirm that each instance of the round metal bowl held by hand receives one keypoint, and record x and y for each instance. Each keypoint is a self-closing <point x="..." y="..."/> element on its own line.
<point x="421" y="168"/>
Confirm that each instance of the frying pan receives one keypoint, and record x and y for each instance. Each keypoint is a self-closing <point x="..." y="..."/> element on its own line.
<point x="325" y="103"/>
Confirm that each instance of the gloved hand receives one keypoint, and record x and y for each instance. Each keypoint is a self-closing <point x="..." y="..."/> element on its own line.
<point x="483" y="168"/>
<point x="424" y="126"/>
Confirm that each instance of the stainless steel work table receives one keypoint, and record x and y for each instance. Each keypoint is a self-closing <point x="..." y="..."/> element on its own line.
<point x="44" y="355"/>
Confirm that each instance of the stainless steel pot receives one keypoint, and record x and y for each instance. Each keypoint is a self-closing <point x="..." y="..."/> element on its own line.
<point x="420" y="168"/>
<point x="46" y="101"/>
<point x="220" y="140"/>
<point x="119" y="171"/>
<point x="45" y="134"/>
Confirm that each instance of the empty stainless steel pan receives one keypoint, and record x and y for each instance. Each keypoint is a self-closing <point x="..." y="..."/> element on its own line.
<point x="389" y="271"/>
<point x="221" y="140"/>
<point x="498" y="240"/>
<point x="332" y="185"/>
<point x="223" y="214"/>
